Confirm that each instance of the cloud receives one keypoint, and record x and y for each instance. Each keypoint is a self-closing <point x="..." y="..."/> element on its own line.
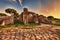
<point x="14" y="0"/>
<point x="20" y="2"/>
<point x="11" y="0"/>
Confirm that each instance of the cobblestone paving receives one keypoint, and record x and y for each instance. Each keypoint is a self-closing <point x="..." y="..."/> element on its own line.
<point x="28" y="34"/>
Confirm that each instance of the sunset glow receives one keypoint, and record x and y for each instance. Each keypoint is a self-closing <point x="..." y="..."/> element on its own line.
<point x="42" y="7"/>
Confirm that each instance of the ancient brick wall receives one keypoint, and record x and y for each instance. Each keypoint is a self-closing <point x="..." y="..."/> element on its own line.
<point x="7" y="19"/>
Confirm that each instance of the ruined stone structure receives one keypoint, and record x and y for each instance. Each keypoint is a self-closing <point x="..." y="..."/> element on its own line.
<point x="42" y="19"/>
<point x="27" y="16"/>
<point x="35" y="18"/>
<point x="4" y="20"/>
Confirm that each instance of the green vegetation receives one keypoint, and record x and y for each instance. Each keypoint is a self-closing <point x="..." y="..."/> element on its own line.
<point x="33" y="24"/>
<point x="50" y="17"/>
<point x="21" y="24"/>
<point x="16" y="24"/>
<point x="45" y="22"/>
<point x="58" y="31"/>
<point x="9" y="10"/>
<point x="57" y="23"/>
<point x="2" y="27"/>
<point x="2" y="14"/>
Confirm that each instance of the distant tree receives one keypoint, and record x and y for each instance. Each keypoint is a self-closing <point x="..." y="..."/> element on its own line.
<point x="9" y="10"/>
<point x="50" y="17"/>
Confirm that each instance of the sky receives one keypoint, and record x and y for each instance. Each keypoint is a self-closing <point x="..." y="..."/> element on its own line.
<point x="42" y="7"/>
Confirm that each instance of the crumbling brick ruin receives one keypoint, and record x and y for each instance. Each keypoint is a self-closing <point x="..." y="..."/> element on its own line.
<point x="4" y="20"/>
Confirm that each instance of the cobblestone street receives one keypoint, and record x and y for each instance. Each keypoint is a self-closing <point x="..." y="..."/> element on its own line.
<point x="28" y="34"/>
